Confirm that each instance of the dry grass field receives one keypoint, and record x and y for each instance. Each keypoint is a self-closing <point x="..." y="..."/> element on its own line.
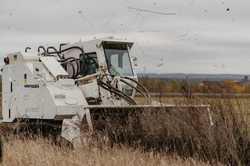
<point x="190" y="141"/>
<point x="41" y="152"/>
<point x="227" y="140"/>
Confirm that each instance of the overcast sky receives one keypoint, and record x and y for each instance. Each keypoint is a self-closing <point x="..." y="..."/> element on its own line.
<point x="205" y="36"/>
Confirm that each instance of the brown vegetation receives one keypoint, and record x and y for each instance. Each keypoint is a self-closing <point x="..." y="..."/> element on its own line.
<point x="181" y="86"/>
<point x="187" y="133"/>
<point x="190" y="133"/>
<point x="38" y="152"/>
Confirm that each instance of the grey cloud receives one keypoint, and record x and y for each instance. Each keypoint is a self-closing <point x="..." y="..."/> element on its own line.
<point x="200" y="37"/>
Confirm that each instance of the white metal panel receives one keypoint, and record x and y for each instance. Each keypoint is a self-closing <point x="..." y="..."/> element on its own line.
<point x="53" y="66"/>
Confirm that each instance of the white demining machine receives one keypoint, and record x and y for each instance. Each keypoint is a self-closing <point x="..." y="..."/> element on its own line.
<point x="86" y="83"/>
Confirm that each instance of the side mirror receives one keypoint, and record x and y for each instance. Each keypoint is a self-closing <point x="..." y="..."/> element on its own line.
<point x="6" y="60"/>
<point x="135" y="61"/>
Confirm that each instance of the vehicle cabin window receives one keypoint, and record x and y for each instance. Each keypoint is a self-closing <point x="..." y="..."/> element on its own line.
<point x="117" y="58"/>
<point x="88" y="63"/>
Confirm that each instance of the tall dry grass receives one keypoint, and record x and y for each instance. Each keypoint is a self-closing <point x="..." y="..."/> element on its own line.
<point x="170" y="137"/>
<point x="39" y="152"/>
<point x="189" y="132"/>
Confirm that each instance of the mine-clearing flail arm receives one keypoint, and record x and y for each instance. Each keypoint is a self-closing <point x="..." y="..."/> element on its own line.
<point x="71" y="127"/>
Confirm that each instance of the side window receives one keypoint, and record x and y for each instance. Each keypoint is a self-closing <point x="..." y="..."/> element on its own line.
<point x="88" y="63"/>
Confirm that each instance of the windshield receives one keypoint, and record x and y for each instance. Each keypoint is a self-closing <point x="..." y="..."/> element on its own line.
<point x="118" y="61"/>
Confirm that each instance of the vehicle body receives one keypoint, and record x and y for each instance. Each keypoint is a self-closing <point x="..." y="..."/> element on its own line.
<point x="92" y="82"/>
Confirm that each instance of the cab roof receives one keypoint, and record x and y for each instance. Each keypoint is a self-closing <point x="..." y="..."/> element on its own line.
<point x="110" y="40"/>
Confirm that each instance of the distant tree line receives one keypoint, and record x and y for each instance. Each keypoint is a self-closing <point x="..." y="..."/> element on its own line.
<point x="189" y="86"/>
